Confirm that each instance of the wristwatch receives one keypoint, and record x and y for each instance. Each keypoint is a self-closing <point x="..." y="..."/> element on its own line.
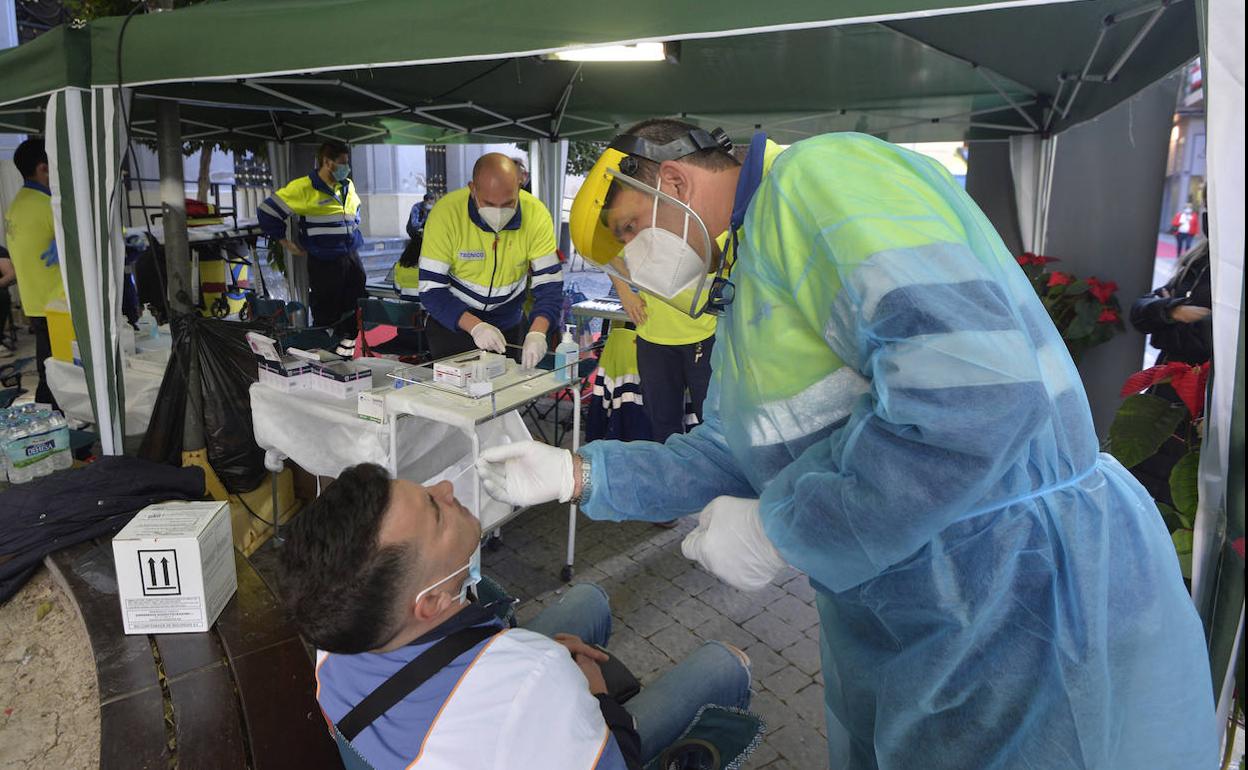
<point x="586" y="475"/>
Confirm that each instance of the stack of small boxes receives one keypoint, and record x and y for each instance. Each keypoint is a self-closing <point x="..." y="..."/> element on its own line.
<point x="291" y="373"/>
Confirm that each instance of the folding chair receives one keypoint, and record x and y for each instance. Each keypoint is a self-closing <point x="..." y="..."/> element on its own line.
<point x="11" y="380"/>
<point x="390" y="327"/>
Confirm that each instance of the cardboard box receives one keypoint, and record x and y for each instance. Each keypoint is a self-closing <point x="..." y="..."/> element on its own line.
<point x="371" y="404"/>
<point x="287" y="375"/>
<point x="477" y="366"/>
<point x="342" y="379"/>
<point x="175" y="567"/>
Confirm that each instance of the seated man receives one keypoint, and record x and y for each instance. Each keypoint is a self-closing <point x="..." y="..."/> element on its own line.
<point x="377" y="573"/>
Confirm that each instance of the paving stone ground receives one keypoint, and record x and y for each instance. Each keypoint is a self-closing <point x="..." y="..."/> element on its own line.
<point x="665" y="606"/>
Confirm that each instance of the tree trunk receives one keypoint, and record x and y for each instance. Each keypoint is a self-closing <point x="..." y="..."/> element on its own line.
<point x="205" y="171"/>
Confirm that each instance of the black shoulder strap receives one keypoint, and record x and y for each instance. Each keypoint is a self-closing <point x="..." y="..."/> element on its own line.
<point x="405" y="681"/>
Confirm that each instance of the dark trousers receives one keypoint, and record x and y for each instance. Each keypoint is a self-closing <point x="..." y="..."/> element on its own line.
<point x="6" y="315"/>
<point x="1182" y="242"/>
<point x="335" y="285"/>
<point x="666" y="372"/>
<point x="43" y="349"/>
<point x="445" y="342"/>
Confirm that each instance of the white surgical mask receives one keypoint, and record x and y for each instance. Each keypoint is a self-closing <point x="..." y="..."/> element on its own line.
<point x="662" y="262"/>
<point x="495" y="217"/>
<point x="474" y="576"/>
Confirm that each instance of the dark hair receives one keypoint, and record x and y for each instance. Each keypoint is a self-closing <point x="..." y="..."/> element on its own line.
<point x="330" y="151"/>
<point x="28" y="155"/>
<point x="662" y="131"/>
<point x="411" y="252"/>
<point x="338" y="585"/>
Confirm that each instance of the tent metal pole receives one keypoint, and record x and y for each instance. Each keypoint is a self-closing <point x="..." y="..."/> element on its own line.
<point x="564" y="98"/>
<point x="371" y="94"/>
<point x="274" y="92"/>
<point x="1135" y="43"/>
<point x="983" y="73"/>
<point x="1118" y="18"/>
<point x="1001" y="127"/>
<point x="1087" y="67"/>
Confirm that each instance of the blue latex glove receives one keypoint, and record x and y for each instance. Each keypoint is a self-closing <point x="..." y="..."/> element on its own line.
<point x="50" y="257"/>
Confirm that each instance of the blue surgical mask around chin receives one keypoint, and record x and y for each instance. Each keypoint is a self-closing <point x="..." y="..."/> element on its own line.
<point x="342" y="171"/>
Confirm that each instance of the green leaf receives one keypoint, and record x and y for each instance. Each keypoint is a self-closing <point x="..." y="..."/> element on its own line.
<point x="1141" y="426"/>
<point x="1083" y="324"/>
<point x="1183" y="547"/>
<point x="1184" y="486"/>
<point x="1078" y="287"/>
<point x="42" y="610"/>
<point x="1172" y="517"/>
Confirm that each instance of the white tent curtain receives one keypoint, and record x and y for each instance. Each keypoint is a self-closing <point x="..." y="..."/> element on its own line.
<point x="549" y="160"/>
<point x="1225" y="81"/>
<point x="85" y="138"/>
<point x="1031" y="164"/>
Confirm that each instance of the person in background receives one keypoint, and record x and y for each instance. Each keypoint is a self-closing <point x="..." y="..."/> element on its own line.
<point x="1178" y="318"/>
<point x="419" y="215"/>
<point x="525" y="182"/>
<point x="32" y="246"/>
<point x="7" y="278"/>
<point x="485" y="246"/>
<point x="318" y="217"/>
<point x="1185" y="227"/>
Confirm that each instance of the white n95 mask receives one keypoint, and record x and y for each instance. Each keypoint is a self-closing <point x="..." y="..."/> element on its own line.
<point x="496" y="218"/>
<point x="662" y="262"/>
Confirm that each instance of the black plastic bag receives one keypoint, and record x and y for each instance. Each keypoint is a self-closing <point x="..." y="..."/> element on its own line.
<point x="227" y="368"/>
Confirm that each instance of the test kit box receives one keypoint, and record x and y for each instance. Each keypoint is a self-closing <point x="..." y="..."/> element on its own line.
<point x="475" y="366"/>
<point x="342" y="379"/>
<point x="175" y="567"/>
<point x="287" y="375"/>
<point x="371" y="404"/>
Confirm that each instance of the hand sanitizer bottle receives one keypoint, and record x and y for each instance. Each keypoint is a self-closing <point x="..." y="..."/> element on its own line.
<point x="567" y="354"/>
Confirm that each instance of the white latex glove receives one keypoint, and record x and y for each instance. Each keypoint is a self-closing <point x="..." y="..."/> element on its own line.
<point x="534" y="350"/>
<point x="526" y="473"/>
<point x="730" y="543"/>
<point x="488" y="337"/>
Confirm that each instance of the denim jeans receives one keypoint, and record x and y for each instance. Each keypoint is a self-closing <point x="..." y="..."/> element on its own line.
<point x="711" y="673"/>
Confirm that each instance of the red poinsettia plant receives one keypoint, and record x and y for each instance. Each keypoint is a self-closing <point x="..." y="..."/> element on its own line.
<point x="1086" y="312"/>
<point x="1146" y="422"/>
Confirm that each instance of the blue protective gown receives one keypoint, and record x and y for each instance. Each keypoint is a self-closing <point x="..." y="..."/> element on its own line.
<point x="994" y="593"/>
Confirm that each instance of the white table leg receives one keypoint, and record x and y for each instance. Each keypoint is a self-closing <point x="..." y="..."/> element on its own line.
<point x="576" y="444"/>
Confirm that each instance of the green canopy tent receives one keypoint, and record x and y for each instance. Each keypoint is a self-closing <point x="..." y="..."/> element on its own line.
<point x="907" y="70"/>
<point x="407" y="71"/>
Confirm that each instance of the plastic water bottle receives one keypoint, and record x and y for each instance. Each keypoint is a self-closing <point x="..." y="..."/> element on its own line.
<point x="63" y="456"/>
<point x="148" y="329"/>
<point x="40" y="443"/>
<point x="14" y="445"/>
<point x="4" y="440"/>
<point x="567" y="355"/>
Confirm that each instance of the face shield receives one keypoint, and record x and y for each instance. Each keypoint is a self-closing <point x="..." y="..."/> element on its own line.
<point x="643" y="234"/>
<point x="664" y="247"/>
